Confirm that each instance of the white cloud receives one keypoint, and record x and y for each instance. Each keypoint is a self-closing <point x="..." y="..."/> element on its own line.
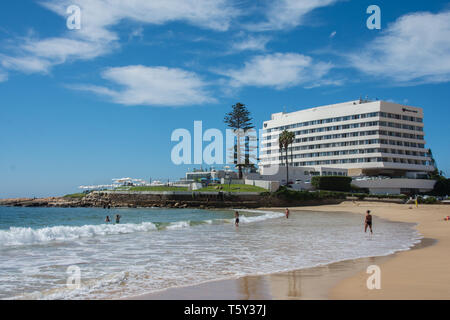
<point x="152" y="86"/>
<point x="279" y="70"/>
<point x="286" y="14"/>
<point x="38" y="56"/>
<point x="3" y="76"/>
<point x="251" y="43"/>
<point x="97" y="37"/>
<point x="333" y="34"/>
<point x="99" y="15"/>
<point x="416" y="48"/>
<point x="26" y="64"/>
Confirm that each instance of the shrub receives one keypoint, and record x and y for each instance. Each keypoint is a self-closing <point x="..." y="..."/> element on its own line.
<point x="429" y="200"/>
<point x="441" y="188"/>
<point x="290" y="194"/>
<point x="332" y="183"/>
<point x="356" y="189"/>
<point x="360" y="196"/>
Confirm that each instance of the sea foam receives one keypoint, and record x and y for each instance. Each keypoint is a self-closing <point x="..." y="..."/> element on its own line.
<point x="28" y="236"/>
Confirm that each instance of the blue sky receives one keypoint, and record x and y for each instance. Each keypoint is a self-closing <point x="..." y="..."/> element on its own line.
<point x="80" y="107"/>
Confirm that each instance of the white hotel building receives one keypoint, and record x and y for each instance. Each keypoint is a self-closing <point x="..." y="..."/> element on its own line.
<point x="364" y="138"/>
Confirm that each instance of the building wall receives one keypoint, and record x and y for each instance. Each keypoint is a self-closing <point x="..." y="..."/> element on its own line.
<point x="377" y="137"/>
<point x="271" y="186"/>
<point x="396" y="186"/>
<point x="278" y="173"/>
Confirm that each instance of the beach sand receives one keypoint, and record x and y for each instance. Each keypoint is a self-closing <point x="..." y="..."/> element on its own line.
<point x="420" y="273"/>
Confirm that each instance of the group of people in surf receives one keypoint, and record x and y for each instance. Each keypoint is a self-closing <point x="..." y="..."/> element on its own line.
<point x="117" y="217"/>
<point x="367" y="221"/>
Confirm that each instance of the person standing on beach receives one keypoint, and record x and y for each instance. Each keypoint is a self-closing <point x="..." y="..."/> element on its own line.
<point x="287" y="212"/>
<point x="236" y="216"/>
<point x="118" y="218"/>
<point x="368" y="222"/>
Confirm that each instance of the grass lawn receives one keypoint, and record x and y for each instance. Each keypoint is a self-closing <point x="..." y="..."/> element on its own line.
<point x="235" y="188"/>
<point x="158" y="188"/>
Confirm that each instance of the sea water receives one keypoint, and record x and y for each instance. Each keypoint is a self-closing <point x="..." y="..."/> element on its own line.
<point x="156" y="249"/>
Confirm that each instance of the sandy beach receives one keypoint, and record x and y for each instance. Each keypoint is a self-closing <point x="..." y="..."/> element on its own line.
<point x="420" y="273"/>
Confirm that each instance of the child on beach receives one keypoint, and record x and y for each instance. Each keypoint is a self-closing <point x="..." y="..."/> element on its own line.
<point x="287" y="213"/>
<point x="368" y="222"/>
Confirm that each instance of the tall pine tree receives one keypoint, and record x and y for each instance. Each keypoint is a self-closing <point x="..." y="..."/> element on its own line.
<point x="240" y="121"/>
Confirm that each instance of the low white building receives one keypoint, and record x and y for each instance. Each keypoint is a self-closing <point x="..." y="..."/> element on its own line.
<point x="296" y="174"/>
<point x="395" y="186"/>
<point x="212" y="174"/>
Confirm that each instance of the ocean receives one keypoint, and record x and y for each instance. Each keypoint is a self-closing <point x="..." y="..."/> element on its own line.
<point x="156" y="249"/>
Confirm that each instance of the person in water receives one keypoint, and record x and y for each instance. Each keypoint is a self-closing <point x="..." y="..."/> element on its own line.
<point x="236" y="216"/>
<point x="368" y="222"/>
<point x="287" y="212"/>
<point x="107" y="220"/>
<point x="118" y="218"/>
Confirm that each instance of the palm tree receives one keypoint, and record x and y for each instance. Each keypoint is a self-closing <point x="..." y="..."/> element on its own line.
<point x="284" y="141"/>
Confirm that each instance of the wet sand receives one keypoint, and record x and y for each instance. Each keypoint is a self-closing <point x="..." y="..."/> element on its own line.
<point x="420" y="273"/>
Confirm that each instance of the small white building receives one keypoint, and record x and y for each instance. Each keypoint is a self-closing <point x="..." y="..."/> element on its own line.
<point x="211" y="174"/>
<point x="296" y="174"/>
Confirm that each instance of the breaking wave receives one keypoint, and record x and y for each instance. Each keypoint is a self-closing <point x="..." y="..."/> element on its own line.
<point x="28" y="236"/>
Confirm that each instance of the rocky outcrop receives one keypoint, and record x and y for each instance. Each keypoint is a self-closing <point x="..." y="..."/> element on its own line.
<point x="41" y="202"/>
<point x="202" y="200"/>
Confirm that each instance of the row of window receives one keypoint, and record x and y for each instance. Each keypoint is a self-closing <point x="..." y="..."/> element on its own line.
<point x="362" y="125"/>
<point x="400" y="117"/>
<point x="361" y="160"/>
<point x="356" y="134"/>
<point x="356" y="143"/>
<point x="347" y="118"/>
<point x="352" y="152"/>
<point x="361" y="134"/>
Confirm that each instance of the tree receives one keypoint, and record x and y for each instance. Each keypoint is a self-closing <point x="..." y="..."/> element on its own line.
<point x="441" y="188"/>
<point x="436" y="174"/>
<point x="332" y="183"/>
<point x="284" y="141"/>
<point x="240" y="121"/>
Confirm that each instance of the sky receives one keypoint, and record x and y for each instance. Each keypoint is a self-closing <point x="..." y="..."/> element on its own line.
<point x="84" y="106"/>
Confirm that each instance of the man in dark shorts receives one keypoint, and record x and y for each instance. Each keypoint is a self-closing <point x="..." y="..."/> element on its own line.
<point x="368" y="222"/>
<point x="236" y="222"/>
